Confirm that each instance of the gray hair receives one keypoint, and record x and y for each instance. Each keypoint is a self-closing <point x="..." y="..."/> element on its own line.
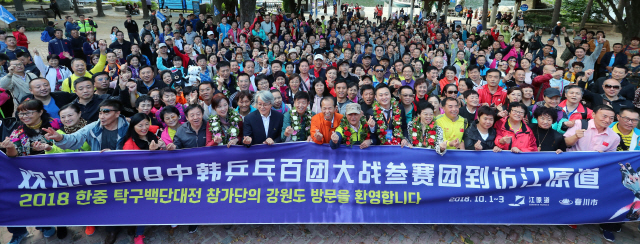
<point x="265" y="96"/>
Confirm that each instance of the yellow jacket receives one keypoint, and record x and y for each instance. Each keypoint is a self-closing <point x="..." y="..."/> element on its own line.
<point x="67" y="84"/>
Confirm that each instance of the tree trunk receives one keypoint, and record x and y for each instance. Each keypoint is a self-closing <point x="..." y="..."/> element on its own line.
<point x="629" y="28"/>
<point x="494" y="12"/>
<point x="247" y="13"/>
<point x="99" y="8"/>
<point x="145" y="10"/>
<point x="439" y="9"/>
<point x="587" y="13"/>
<point x="217" y="4"/>
<point x="446" y="12"/>
<point x="413" y="2"/>
<point x="390" y="9"/>
<point x="515" y="11"/>
<point x="485" y="10"/>
<point x="18" y="4"/>
<point x="556" y="12"/>
<point x="75" y="7"/>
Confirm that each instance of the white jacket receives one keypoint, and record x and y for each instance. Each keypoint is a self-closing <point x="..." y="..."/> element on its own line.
<point x="50" y="73"/>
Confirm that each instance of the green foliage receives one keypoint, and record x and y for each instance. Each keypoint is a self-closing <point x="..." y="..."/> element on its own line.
<point x="572" y="10"/>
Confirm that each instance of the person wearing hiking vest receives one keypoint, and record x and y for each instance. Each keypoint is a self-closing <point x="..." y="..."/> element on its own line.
<point x="79" y="68"/>
<point x="86" y="25"/>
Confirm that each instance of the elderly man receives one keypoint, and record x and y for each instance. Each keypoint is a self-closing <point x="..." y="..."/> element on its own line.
<point x="325" y="123"/>
<point x="263" y="126"/>
<point x="452" y="123"/>
<point x="354" y="132"/>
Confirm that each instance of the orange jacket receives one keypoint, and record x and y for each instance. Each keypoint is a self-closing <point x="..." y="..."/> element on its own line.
<point x="444" y="82"/>
<point x="324" y="127"/>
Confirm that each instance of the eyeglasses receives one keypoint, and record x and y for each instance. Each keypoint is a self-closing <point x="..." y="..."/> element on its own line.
<point x="26" y="114"/>
<point x="627" y="120"/>
<point x="517" y="112"/>
<point x="379" y="70"/>
<point x="612" y="87"/>
<point x="452" y="92"/>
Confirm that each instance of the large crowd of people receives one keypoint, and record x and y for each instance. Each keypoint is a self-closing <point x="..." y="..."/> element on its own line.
<point x="338" y="80"/>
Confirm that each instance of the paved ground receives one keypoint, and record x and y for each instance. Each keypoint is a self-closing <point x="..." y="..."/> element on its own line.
<point x="352" y="234"/>
<point x="333" y="233"/>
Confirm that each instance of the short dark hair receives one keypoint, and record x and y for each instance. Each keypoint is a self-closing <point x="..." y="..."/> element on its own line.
<point x="542" y="110"/>
<point x="446" y="99"/>
<point x="422" y="105"/>
<point x="332" y="98"/>
<point x="192" y="107"/>
<point x="494" y="71"/>
<point x="603" y="107"/>
<point x="486" y="110"/>
<point x="301" y="95"/>
<point x="222" y="64"/>
<point x="114" y="103"/>
<point x="470" y="92"/>
<point x="144" y="98"/>
<point x="629" y="109"/>
<point x="381" y="86"/>
<point x="167" y="110"/>
<point x="80" y="80"/>
<point x="366" y="87"/>
<point x="518" y="105"/>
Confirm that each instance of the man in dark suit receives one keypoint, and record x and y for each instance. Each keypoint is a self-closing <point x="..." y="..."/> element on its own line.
<point x="263" y="126"/>
<point x="383" y="97"/>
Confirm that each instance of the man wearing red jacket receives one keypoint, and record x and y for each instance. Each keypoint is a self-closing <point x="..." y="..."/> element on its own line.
<point x="572" y="106"/>
<point x="492" y="94"/>
<point x="541" y="83"/>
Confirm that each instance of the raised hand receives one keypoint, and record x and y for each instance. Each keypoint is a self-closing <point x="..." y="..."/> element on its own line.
<point x="52" y="134"/>
<point x="505" y="140"/>
<point x="318" y="135"/>
<point x="478" y="146"/>
<point x="371" y="122"/>
<point x="7" y="143"/>
<point x="580" y="133"/>
<point x="246" y="140"/>
<point x="334" y="137"/>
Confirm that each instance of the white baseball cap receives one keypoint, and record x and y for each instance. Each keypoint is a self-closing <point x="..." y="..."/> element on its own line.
<point x="209" y="33"/>
<point x="318" y="56"/>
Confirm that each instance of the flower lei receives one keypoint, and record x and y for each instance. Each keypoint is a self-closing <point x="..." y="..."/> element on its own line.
<point x="419" y="134"/>
<point x="232" y="132"/>
<point x="382" y="126"/>
<point x="223" y="89"/>
<point x="295" y="123"/>
<point x="348" y="138"/>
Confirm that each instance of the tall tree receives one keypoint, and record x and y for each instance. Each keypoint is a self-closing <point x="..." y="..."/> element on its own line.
<point x="556" y="12"/>
<point x="485" y="9"/>
<point x="248" y="11"/>
<point x="99" y="8"/>
<point x="587" y="13"/>
<point x="627" y="20"/>
<point x="145" y="10"/>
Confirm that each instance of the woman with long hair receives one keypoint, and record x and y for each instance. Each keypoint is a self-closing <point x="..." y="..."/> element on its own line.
<point x="138" y="136"/>
<point x="318" y="91"/>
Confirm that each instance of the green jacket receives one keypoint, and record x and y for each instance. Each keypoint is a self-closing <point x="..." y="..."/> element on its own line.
<point x="56" y="149"/>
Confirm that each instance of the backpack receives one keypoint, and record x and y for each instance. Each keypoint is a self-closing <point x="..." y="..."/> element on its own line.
<point x="44" y="36"/>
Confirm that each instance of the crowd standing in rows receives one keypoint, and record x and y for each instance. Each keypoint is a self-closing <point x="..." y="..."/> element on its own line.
<point x="343" y="81"/>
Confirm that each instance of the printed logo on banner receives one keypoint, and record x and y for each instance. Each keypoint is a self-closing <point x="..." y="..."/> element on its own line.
<point x="566" y="202"/>
<point x="630" y="180"/>
<point x="518" y="202"/>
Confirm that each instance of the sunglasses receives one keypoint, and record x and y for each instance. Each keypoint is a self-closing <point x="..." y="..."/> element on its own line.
<point x="105" y="110"/>
<point x="379" y="70"/>
<point x="452" y="92"/>
<point x="610" y="87"/>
